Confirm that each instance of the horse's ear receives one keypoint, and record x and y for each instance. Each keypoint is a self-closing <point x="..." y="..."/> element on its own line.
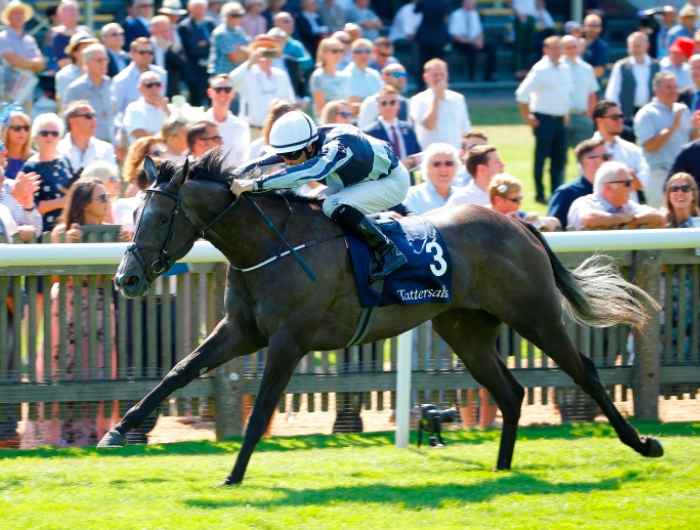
<point x="150" y="169"/>
<point x="181" y="176"/>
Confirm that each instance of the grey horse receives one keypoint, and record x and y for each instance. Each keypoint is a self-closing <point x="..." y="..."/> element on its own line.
<point x="503" y="271"/>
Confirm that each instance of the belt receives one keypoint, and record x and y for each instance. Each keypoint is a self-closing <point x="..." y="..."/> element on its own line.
<point x="258" y="127"/>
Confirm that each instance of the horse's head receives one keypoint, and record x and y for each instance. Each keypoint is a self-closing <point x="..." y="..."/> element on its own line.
<point x="164" y="232"/>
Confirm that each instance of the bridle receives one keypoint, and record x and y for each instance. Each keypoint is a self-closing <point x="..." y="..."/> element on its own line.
<point x="165" y="259"/>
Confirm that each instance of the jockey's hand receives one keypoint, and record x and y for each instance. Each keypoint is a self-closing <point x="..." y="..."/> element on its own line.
<point x="240" y="186"/>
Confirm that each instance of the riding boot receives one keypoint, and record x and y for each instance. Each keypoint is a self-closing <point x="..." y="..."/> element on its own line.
<point x="388" y="256"/>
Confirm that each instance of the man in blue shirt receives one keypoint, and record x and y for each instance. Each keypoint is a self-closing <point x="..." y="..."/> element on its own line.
<point x="590" y="154"/>
<point x="596" y="53"/>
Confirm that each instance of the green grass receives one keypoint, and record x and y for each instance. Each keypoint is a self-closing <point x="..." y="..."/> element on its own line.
<point x="577" y="477"/>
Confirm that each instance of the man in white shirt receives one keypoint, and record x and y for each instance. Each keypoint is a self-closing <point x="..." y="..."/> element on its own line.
<point x="544" y="100"/>
<point x="584" y="97"/>
<point x="405" y="24"/>
<point x="439" y="168"/>
<point x="609" y="207"/>
<point x="146" y="115"/>
<point x="467" y="36"/>
<point x="79" y="146"/>
<point x="608" y="119"/>
<point x="234" y="130"/>
<point x="439" y="114"/>
<point x="258" y="83"/>
<point x="125" y="85"/>
<point x="483" y="164"/>
<point x="630" y="80"/>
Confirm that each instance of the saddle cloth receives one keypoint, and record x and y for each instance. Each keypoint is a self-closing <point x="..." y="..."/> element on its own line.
<point x="427" y="277"/>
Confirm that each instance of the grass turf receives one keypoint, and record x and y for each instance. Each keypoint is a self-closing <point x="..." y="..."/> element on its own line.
<point x="577" y="477"/>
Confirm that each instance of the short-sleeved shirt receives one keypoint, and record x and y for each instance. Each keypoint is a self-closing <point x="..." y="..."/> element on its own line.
<point x="56" y="178"/>
<point x="564" y="196"/>
<point x="651" y="119"/>
<point x="595" y="202"/>
<point x="452" y="122"/>
<point x="225" y="40"/>
<point x="333" y="86"/>
<point x="101" y="100"/>
<point x="470" y="194"/>
<point x="596" y="53"/>
<point x="142" y="115"/>
<point x="363" y="82"/>
<point x="23" y="45"/>
<point x="585" y="84"/>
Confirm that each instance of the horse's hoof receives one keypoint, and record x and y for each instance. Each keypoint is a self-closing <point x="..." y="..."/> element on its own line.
<point x="231" y="482"/>
<point x="652" y="447"/>
<point x="112" y="439"/>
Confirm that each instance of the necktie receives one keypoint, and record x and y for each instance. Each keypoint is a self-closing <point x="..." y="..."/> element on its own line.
<point x="394" y="139"/>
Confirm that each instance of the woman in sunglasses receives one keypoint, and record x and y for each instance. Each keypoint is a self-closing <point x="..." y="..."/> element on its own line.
<point x="327" y="83"/>
<point x="15" y="136"/>
<point x="362" y="173"/>
<point x="506" y="193"/>
<point x="681" y="200"/>
<point x="54" y="171"/>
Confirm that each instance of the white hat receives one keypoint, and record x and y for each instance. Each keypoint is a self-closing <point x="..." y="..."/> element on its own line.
<point x="15" y="4"/>
<point x="293" y="131"/>
<point x="172" y="7"/>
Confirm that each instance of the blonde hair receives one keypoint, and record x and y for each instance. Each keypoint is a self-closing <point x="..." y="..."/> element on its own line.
<point x="27" y="147"/>
<point x="331" y="109"/>
<point x="133" y="163"/>
<point x="323" y="47"/>
<point x="670" y="212"/>
<point x="502" y="185"/>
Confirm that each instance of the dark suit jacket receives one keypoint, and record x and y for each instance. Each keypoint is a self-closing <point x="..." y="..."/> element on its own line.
<point x="688" y="161"/>
<point x="304" y="33"/>
<point x="112" y="68"/>
<point x="176" y="66"/>
<point x="687" y="96"/>
<point x="195" y="41"/>
<point x="410" y="141"/>
<point x="133" y="29"/>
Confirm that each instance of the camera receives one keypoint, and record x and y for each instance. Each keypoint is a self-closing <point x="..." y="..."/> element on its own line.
<point x="269" y="53"/>
<point x="431" y="420"/>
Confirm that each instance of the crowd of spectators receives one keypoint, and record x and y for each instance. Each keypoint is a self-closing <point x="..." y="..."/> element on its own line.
<point x="176" y="83"/>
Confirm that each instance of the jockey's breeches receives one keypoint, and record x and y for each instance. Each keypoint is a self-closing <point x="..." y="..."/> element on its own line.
<point x="372" y="196"/>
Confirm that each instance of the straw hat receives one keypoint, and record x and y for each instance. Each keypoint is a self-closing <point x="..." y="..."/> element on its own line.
<point x="172" y="7"/>
<point x="15" y="4"/>
<point x="79" y="39"/>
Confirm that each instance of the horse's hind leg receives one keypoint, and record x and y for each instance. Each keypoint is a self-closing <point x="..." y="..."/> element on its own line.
<point x="224" y="343"/>
<point x="472" y="335"/>
<point x="282" y="357"/>
<point x="552" y="338"/>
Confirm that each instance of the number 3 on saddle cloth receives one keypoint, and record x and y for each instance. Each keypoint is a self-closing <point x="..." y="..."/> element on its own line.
<point x="427" y="277"/>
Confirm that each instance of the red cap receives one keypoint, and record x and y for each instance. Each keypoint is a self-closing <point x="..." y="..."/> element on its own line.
<point x="683" y="45"/>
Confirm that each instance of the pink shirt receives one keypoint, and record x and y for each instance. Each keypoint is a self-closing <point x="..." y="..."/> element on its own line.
<point x="254" y="25"/>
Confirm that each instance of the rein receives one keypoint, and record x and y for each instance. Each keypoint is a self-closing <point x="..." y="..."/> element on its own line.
<point x="165" y="261"/>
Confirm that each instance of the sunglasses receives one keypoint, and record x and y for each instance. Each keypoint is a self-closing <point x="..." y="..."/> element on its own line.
<point x="625" y="183"/>
<point x="440" y="163"/>
<point x="344" y="114"/>
<point x="86" y="115"/>
<point x="685" y="188"/>
<point x="18" y="128"/>
<point x="224" y="89"/>
<point x="215" y="138"/>
<point x="234" y="15"/>
<point x="46" y="134"/>
<point x="604" y="156"/>
<point x="292" y="155"/>
<point x="388" y="103"/>
<point x="516" y="200"/>
<point x="152" y="84"/>
<point x="398" y="75"/>
<point x="144" y="52"/>
<point x="115" y="34"/>
<point x="362" y="51"/>
<point x="336" y="50"/>
<point x="102" y="197"/>
<point x="616" y="117"/>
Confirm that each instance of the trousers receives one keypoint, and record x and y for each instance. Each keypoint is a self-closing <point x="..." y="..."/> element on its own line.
<point x="550" y="142"/>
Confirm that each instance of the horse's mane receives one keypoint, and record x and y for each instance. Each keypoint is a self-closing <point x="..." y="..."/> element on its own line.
<point x="211" y="167"/>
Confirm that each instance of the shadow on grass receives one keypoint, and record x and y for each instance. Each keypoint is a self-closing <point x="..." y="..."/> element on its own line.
<point x="418" y="497"/>
<point x="375" y="439"/>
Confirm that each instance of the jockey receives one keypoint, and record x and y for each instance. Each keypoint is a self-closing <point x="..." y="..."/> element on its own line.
<point x="362" y="174"/>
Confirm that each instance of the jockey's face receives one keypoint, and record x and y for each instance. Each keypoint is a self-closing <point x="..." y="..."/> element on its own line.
<point x="298" y="157"/>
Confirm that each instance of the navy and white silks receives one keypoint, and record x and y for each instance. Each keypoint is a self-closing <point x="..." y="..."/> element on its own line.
<point x="360" y="171"/>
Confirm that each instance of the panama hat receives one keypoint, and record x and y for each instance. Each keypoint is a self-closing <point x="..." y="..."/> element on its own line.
<point x="172" y="7"/>
<point x="78" y="39"/>
<point x="15" y="4"/>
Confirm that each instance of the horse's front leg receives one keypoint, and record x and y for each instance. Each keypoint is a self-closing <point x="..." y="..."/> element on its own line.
<point x="283" y="354"/>
<point x="227" y="341"/>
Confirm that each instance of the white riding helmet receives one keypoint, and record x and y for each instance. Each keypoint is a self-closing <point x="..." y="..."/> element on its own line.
<point x="291" y="132"/>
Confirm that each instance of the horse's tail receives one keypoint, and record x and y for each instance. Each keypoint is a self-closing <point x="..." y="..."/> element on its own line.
<point x="595" y="294"/>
